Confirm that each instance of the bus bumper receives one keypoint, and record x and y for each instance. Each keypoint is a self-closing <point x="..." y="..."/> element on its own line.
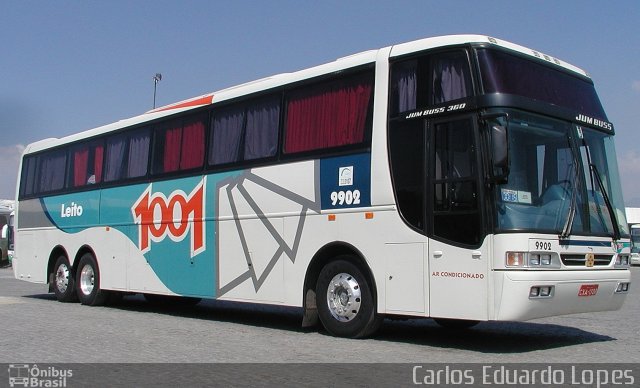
<point x="569" y="292"/>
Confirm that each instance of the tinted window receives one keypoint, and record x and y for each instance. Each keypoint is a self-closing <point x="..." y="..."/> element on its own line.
<point x="28" y="176"/>
<point x="505" y="73"/>
<point x="127" y="155"/>
<point x="329" y="114"/>
<point x="86" y="164"/>
<point x="51" y="171"/>
<point x="407" y="151"/>
<point x="245" y="131"/>
<point x="429" y="80"/>
<point x="179" y="145"/>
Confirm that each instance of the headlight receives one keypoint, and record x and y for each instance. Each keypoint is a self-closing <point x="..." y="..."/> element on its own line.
<point x="534" y="259"/>
<point x="529" y="260"/>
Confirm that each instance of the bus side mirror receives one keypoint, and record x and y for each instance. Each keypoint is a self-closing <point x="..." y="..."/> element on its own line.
<point x="500" y="152"/>
<point x="4" y="231"/>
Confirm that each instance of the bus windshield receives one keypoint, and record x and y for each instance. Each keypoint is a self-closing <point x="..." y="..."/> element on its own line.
<point x="560" y="179"/>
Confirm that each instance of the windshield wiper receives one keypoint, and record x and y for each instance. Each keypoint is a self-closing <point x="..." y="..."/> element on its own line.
<point x="614" y="222"/>
<point x="566" y="231"/>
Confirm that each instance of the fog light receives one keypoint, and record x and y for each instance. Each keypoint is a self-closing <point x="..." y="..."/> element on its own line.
<point x="515" y="259"/>
<point x="545" y="259"/>
<point x="534" y="292"/>
<point x="545" y="291"/>
<point x="622" y="287"/>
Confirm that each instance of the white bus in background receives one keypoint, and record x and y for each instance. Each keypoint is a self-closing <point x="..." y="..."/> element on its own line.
<point x="10" y="237"/>
<point x="633" y="219"/>
<point x="6" y="209"/>
<point x="463" y="178"/>
<point x="635" y="244"/>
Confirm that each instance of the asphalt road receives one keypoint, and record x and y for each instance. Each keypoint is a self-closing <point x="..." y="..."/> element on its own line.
<point x="37" y="328"/>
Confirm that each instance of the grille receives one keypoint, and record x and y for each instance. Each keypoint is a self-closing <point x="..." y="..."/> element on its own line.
<point x="571" y="260"/>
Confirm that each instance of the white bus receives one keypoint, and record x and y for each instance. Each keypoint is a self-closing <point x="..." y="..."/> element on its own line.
<point x="6" y="222"/>
<point x="635" y="244"/>
<point x="462" y="178"/>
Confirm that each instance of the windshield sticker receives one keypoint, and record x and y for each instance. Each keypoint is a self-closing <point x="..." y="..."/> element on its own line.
<point x="516" y="196"/>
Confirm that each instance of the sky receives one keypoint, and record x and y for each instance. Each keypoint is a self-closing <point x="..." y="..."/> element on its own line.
<point x="67" y="66"/>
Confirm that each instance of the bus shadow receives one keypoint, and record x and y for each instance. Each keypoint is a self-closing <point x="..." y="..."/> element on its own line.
<point x="486" y="337"/>
<point x="489" y="337"/>
<point x="272" y="317"/>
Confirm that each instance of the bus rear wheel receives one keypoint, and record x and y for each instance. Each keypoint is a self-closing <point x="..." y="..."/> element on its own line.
<point x="88" y="282"/>
<point x="345" y="301"/>
<point x="63" y="282"/>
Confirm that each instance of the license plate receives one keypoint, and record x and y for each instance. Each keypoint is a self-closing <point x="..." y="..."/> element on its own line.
<point x="588" y="290"/>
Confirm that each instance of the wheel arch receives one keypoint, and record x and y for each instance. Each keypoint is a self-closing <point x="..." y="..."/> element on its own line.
<point x="81" y="252"/>
<point x="323" y="256"/>
<point x="56" y="252"/>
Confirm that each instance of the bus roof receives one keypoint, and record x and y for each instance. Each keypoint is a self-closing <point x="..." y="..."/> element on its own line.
<point x="278" y="80"/>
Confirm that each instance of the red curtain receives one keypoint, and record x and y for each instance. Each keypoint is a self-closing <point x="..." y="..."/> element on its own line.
<point x="171" y="160"/>
<point x="80" y="163"/>
<point x="327" y="116"/>
<point x="98" y="163"/>
<point x="192" y="146"/>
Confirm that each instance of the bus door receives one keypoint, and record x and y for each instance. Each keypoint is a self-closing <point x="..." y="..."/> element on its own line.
<point x="458" y="262"/>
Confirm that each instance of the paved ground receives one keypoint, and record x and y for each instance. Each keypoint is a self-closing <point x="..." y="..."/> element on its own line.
<point x="37" y="328"/>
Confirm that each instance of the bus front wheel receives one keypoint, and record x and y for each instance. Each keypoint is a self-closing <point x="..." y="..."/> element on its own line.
<point x="63" y="282"/>
<point x="88" y="282"/>
<point x="345" y="301"/>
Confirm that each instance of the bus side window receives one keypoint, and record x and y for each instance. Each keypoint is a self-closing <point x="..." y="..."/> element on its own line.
<point x="28" y="177"/>
<point x="86" y="164"/>
<point x="179" y="145"/>
<point x="430" y="79"/>
<point x="451" y="79"/>
<point x="127" y="155"/>
<point x="328" y="114"/>
<point x="52" y="169"/>
<point x="245" y="131"/>
<point x="407" y="152"/>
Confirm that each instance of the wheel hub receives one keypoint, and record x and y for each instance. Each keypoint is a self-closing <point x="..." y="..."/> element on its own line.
<point x="343" y="297"/>
<point x="62" y="278"/>
<point x="87" y="279"/>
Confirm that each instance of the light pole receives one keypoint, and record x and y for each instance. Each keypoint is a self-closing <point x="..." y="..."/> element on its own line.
<point x="156" y="78"/>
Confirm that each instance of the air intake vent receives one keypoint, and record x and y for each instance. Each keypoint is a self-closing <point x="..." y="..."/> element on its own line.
<point x="579" y="260"/>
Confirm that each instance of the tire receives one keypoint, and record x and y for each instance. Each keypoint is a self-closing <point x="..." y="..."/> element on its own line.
<point x="88" y="282"/>
<point x="345" y="301"/>
<point x="63" y="281"/>
<point x="456" y="324"/>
